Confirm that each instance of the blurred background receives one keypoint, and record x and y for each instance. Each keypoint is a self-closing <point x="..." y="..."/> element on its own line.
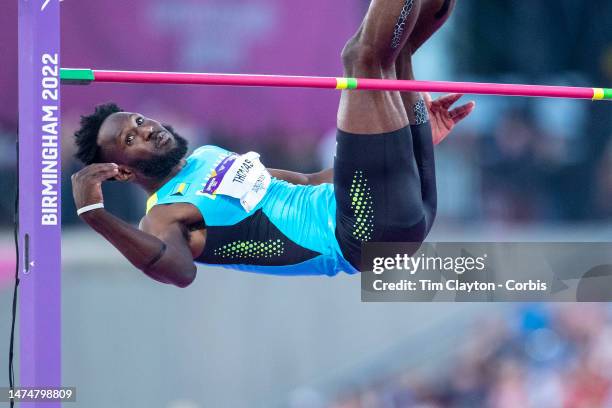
<point x="517" y="170"/>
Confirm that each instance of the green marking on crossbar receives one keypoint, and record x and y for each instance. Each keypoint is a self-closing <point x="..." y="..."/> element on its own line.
<point x="76" y="76"/>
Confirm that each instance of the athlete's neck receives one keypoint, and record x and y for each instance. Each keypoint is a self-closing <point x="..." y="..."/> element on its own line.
<point x="152" y="185"/>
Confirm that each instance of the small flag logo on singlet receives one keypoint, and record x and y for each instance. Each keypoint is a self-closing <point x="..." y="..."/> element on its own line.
<point x="180" y="189"/>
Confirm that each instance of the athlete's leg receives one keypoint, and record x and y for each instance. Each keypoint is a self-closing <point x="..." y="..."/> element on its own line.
<point x="376" y="179"/>
<point x="432" y="15"/>
<point x="422" y="143"/>
<point x="371" y="53"/>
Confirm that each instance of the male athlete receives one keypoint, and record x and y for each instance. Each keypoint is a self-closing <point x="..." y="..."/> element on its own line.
<point x="219" y="207"/>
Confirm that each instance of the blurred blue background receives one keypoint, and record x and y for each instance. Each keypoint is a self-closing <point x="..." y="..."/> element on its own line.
<point x="518" y="169"/>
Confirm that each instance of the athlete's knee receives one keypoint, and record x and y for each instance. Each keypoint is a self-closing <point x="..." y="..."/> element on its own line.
<point x="362" y="58"/>
<point x="357" y="53"/>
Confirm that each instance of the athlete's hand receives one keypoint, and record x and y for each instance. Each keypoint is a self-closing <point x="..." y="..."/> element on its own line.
<point x="442" y="118"/>
<point x="87" y="183"/>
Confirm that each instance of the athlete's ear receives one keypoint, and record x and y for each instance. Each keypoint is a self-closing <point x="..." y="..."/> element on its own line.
<point x="125" y="174"/>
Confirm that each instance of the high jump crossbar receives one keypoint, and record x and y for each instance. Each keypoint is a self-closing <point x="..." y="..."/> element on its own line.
<point x="86" y="76"/>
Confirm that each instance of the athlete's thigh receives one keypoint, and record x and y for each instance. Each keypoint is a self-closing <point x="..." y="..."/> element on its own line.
<point x="371" y="112"/>
<point x="377" y="190"/>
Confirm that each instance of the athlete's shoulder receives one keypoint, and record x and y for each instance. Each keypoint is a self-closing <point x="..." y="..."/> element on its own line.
<point x="209" y="150"/>
<point x="171" y="213"/>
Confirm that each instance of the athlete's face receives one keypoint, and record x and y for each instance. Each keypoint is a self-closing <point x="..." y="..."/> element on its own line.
<point x="140" y="145"/>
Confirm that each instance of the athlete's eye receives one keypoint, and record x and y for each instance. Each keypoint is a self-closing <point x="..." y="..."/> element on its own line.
<point x="129" y="139"/>
<point x="139" y="120"/>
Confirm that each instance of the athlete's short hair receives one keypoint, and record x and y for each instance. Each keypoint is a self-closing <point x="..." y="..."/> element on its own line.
<point x="86" y="138"/>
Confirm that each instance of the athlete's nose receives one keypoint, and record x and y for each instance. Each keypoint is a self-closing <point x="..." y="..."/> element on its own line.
<point x="147" y="132"/>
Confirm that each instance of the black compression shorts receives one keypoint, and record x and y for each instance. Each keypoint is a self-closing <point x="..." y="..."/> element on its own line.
<point x="385" y="188"/>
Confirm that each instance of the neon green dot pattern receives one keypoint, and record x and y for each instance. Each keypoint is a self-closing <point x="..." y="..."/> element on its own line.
<point x="361" y="204"/>
<point x="251" y="249"/>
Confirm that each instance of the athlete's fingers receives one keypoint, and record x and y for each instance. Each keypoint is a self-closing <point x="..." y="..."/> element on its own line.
<point x="447" y="100"/>
<point x="426" y="98"/>
<point x="100" y="177"/>
<point x="101" y="166"/>
<point x="462" y="111"/>
<point x="103" y="171"/>
<point x="105" y="167"/>
<point x="92" y="169"/>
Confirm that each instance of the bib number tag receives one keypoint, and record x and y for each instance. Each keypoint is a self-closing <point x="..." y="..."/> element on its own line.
<point x="242" y="177"/>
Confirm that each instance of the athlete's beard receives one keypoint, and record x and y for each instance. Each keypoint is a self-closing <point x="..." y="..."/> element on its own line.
<point x="160" y="166"/>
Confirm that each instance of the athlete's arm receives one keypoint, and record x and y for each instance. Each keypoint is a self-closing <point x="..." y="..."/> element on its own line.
<point x="313" y="179"/>
<point x="163" y="254"/>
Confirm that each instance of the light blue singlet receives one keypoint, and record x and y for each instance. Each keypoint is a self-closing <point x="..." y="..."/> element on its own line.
<point x="291" y="231"/>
